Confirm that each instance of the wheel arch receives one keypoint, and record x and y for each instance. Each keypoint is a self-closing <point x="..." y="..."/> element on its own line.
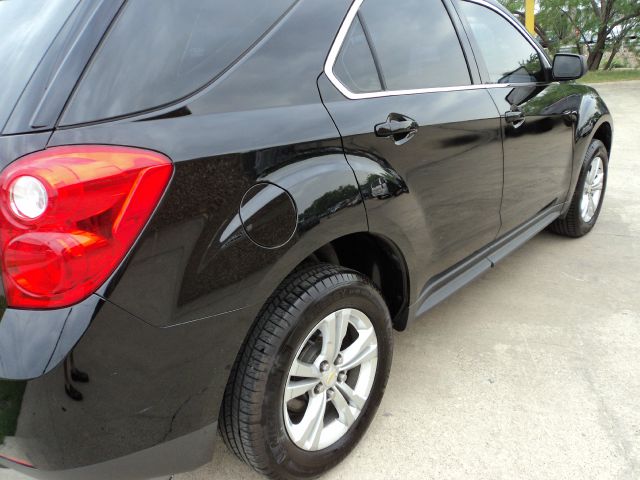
<point x="604" y="133"/>
<point x="380" y="260"/>
<point x="593" y="121"/>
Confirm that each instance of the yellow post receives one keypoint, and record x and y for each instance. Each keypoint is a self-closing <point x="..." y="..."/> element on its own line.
<point x="530" y="16"/>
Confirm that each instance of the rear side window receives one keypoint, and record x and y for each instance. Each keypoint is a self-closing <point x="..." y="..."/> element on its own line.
<point x="413" y="42"/>
<point x="508" y="56"/>
<point x="27" y="29"/>
<point x="161" y="51"/>
<point x="355" y="66"/>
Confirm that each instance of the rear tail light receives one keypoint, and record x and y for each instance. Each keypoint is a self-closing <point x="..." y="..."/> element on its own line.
<point x="69" y="215"/>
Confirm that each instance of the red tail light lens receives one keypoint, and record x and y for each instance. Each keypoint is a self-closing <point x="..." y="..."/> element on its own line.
<point x="69" y="215"/>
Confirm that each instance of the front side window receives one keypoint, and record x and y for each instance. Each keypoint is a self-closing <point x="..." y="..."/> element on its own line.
<point x="508" y="56"/>
<point x="161" y="51"/>
<point x="413" y="43"/>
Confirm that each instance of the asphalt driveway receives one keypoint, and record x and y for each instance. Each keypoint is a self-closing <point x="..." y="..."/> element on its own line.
<point x="533" y="371"/>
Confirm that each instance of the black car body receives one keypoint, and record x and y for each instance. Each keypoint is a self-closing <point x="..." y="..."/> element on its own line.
<point x="280" y="155"/>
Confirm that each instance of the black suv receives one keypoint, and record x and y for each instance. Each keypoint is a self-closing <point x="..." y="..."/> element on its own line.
<point x="213" y="214"/>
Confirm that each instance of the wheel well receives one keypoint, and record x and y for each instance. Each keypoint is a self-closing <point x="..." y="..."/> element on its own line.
<point x="378" y="259"/>
<point x="605" y="135"/>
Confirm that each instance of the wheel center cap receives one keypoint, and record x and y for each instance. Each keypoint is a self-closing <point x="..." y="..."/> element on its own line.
<point x="330" y="377"/>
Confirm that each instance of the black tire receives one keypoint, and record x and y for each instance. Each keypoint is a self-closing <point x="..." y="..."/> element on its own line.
<point x="573" y="225"/>
<point x="251" y="418"/>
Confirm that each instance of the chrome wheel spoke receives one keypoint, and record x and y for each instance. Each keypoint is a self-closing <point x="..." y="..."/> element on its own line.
<point x="593" y="171"/>
<point x="345" y="415"/>
<point x="333" y="330"/>
<point x="351" y="396"/>
<point x="310" y="428"/>
<point x="363" y="349"/>
<point x="598" y="182"/>
<point x="584" y="205"/>
<point x="596" y="198"/>
<point x="298" y="388"/>
<point x="591" y="210"/>
<point x="305" y="370"/>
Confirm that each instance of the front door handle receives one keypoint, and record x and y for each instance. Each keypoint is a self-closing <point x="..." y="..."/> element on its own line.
<point x="400" y="127"/>
<point x="514" y="117"/>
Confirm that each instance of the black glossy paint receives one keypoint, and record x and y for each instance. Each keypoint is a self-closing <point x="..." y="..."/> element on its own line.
<point x="195" y="259"/>
<point x="538" y="150"/>
<point x="268" y="215"/>
<point x="451" y="172"/>
<point x="273" y="166"/>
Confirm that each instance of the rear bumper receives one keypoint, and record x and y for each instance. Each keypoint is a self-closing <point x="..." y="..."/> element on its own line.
<point x="93" y="389"/>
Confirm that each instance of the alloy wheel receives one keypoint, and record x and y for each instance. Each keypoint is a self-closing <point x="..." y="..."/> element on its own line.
<point x="592" y="190"/>
<point x="330" y="379"/>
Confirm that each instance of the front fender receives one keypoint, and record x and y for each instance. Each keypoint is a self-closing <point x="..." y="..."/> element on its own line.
<point x="591" y="114"/>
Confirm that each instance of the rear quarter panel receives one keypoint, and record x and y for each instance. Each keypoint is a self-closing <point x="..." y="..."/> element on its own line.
<point x="263" y="121"/>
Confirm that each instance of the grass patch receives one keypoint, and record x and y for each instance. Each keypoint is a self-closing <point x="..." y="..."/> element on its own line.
<point x="10" y="403"/>
<point x="615" y="75"/>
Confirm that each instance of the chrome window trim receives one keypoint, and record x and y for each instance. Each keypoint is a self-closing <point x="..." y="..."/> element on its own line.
<point x="344" y="30"/>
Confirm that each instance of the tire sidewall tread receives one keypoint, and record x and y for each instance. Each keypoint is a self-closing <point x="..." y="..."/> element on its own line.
<point x="251" y="420"/>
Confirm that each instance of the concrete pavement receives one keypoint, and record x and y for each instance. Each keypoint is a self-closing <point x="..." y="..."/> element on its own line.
<point x="532" y="371"/>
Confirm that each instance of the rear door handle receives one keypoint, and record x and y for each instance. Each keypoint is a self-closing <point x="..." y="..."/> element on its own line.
<point x="398" y="126"/>
<point x="514" y="117"/>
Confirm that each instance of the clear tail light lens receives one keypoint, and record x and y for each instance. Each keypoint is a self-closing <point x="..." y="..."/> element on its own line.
<point x="69" y="215"/>
<point x="28" y="197"/>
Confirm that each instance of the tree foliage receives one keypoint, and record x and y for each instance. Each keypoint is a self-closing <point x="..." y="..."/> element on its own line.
<point x="593" y="26"/>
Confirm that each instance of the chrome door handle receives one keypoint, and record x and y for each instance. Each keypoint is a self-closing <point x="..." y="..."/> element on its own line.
<point x="514" y="117"/>
<point x="398" y="126"/>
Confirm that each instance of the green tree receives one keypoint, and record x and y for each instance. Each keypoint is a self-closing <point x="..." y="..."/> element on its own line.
<point x="606" y="22"/>
<point x="608" y="18"/>
<point x="623" y="33"/>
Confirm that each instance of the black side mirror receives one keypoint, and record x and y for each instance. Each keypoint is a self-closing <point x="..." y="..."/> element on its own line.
<point x="568" y="66"/>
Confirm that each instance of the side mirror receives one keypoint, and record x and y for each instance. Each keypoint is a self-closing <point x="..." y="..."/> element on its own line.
<point x="568" y="66"/>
